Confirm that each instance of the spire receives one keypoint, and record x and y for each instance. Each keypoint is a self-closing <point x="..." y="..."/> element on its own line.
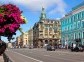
<point x="43" y="14"/>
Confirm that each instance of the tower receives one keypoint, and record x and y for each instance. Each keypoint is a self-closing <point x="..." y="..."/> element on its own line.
<point x="43" y="14"/>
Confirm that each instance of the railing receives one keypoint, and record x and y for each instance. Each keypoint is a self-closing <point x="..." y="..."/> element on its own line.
<point x="6" y="58"/>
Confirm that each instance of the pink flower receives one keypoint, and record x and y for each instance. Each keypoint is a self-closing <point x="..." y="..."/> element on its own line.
<point x="10" y="19"/>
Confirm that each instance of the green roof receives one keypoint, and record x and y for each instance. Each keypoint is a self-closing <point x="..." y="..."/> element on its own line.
<point x="43" y="14"/>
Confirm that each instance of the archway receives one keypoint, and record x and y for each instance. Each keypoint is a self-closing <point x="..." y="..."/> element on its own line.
<point x="46" y="41"/>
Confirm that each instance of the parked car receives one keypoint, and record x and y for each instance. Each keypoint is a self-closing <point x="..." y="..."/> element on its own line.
<point x="50" y="48"/>
<point x="77" y="49"/>
<point x="81" y="49"/>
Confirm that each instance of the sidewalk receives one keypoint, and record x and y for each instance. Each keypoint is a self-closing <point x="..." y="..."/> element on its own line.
<point x="1" y="59"/>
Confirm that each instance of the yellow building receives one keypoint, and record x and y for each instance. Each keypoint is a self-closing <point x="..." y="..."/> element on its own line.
<point x="30" y="37"/>
<point x="22" y="40"/>
<point x="46" y="31"/>
<point x="18" y="42"/>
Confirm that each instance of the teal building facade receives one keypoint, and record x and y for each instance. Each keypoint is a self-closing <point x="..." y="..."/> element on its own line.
<point x="72" y="26"/>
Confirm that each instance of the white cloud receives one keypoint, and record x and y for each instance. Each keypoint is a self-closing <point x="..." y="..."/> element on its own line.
<point x="36" y="5"/>
<point x="60" y="8"/>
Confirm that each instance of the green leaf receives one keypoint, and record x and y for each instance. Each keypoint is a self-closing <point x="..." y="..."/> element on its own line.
<point x="20" y="29"/>
<point x="1" y="10"/>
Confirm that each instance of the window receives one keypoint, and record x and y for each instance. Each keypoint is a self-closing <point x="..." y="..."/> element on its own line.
<point x="79" y="35"/>
<point x="74" y="25"/>
<point x="78" y="16"/>
<point x="68" y="28"/>
<point x="74" y="35"/>
<point x="83" y="14"/>
<point x="67" y="21"/>
<point x="83" y="24"/>
<point x="74" y="17"/>
<point x="83" y="35"/>
<point x="50" y="29"/>
<point x="51" y="21"/>
<point x="46" y="25"/>
<point x="70" y="20"/>
<point x="78" y="24"/>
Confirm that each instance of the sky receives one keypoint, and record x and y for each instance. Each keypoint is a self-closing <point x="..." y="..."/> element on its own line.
<point x="54" y="9"/>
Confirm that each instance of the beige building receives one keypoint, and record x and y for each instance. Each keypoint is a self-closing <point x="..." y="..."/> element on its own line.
<point x="46" y="31"/>
<point x="18" y="42"/>
<point x="30" y="37"/>
<point x="22" y="40"/>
